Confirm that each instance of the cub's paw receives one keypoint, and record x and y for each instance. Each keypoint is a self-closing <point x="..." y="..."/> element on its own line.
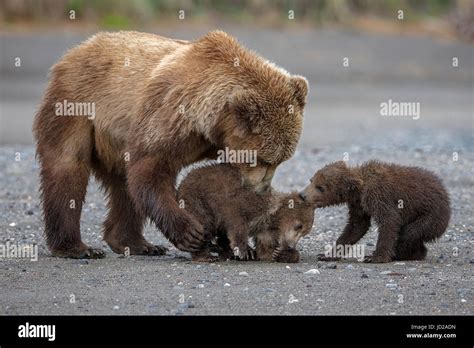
<point x="251" y="254"/>
<point x="204" y="257"/>
<point x="288" y="256"/>
<point x="243" y="253"/>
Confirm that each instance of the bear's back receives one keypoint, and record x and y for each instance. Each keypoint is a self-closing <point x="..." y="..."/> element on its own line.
<point x="419" y="188"/>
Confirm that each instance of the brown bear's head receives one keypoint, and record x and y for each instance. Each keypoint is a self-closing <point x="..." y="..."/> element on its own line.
<point x="260" y="105"/>
<point x="292" y="221"/>
<point x="267" y="122"/>
<point x="331" y="185"/>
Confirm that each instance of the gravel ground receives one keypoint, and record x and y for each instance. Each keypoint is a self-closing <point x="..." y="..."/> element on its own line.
<point x="172" y="284"/>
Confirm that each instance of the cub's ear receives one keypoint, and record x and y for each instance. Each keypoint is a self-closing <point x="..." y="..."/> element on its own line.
<point x="340" y="164"/>
<point x="300" y="86"/>
<point x="245" y="108"/>
<point x="354" y="183"/>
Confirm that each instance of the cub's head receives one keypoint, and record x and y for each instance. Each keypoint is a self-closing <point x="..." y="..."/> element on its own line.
<point x="293" y="220"/>
<point x="331" y="185"/>
<point x="265" y="120"/>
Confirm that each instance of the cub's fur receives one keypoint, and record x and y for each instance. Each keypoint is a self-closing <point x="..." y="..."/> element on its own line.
<point x="231" y="214"/>
<point x="409" y="205"/>
<point x="160" y="104"/>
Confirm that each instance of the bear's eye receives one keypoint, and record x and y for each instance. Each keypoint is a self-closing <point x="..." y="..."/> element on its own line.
<point x="298" y="227"/>
<point x="320" y="188"/>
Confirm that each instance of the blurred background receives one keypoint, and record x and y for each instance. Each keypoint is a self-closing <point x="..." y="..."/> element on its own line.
<point x="402" y="50"/>
<point x="443" y="17"/>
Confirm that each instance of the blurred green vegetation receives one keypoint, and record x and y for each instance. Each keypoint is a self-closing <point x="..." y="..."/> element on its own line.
<point x="125" y="14"/>
<point x="144" y="10"/>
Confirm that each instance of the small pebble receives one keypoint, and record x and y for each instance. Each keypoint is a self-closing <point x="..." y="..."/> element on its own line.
<point x="81" y="262"/>
<point x="312" y="271"/>
<point x="365" y="276"/>
<point x="391" y="286"/>
<point x="116" y="307"/>
<point x="12" y="224"/>
<point x="349" y="267"/>
<point x="244" y="274"/>
<point x="226" y="284"/>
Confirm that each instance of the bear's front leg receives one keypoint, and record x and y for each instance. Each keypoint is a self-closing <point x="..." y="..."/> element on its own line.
<point x="152" y="187"/>
<point x="356" y="227"/>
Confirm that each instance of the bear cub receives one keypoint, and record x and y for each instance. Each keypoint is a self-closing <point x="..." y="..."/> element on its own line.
<point x="231" y="214"/>
<point x="409" y="205"/>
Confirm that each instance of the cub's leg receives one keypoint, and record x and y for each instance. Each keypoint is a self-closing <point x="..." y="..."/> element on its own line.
<point x="410" y="250"/>
<point x="356" y="227"/>
<point x="410" y="245"/>
<point x="237" y="232"/>
<point x="389" y="230"/>
<point x="123" y="226"/>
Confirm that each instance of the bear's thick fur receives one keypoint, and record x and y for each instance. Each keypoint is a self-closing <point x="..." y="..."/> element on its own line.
<point x="160" y="104"/>
<point x="409" y="205"/>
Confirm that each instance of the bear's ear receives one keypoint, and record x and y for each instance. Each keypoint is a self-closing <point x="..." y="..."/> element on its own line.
<point x="246" y="111"/>
<point x="300" y="86"/>
<point x="354" y="183"/>
<point x="340" y="164"/>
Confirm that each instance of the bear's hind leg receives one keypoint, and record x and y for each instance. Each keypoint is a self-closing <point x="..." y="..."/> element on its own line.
<point x="124" y="225"/>
<point x="410" y="250"/>
<point x="410" y="245"/>
<point x="63" y="189"/>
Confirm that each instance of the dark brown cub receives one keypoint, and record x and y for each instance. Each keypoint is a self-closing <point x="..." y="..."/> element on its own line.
<point x="231" y="214"/>
<point x="409" y="205"/>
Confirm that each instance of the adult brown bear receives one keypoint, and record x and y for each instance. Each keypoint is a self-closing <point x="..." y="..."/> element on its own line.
<point x="158" y="105"/>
